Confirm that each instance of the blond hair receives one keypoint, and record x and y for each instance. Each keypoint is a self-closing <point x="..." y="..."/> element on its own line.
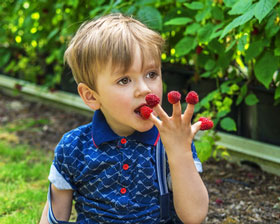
<point x="110" y="39"/>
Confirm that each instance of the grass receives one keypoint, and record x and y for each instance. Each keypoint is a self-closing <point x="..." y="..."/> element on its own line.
<point x="23" y="182"/>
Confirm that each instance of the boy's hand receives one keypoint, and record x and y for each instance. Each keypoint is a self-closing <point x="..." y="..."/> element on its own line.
<point x="176" y="131"/>
<point x="189" y="193"/>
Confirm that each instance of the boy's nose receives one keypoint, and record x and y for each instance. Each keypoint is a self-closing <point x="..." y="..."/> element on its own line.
<point x="142" y="89"/>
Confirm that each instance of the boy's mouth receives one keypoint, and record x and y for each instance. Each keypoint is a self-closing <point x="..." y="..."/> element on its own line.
<point x="137" y="110"/>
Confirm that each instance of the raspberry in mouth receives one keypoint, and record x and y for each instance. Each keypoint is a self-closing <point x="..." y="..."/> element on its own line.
<point x="138" y="109"/>
<point x="143" y="111"/>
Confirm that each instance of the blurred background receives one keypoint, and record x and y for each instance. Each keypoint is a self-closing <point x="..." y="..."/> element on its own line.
<point x="228" y="48"/>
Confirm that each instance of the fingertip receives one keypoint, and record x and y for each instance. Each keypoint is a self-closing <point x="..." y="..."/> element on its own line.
<point x="197" y="126"/>
<point x="177" y="110"/>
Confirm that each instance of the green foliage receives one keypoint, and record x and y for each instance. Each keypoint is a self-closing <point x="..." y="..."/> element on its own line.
<point x="23" y="183"/>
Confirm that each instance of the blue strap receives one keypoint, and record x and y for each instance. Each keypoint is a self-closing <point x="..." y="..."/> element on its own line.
<point x="161" y="174"/>
<point x="51" y="217"/>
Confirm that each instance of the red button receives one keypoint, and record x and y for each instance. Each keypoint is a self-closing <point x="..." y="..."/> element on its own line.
<point x="123" y="140"/>
<point x="123" y="190"/>
<point x="125" y="166"/>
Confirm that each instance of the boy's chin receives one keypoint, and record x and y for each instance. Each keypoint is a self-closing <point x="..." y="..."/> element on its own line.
<point x="146" y="127"/>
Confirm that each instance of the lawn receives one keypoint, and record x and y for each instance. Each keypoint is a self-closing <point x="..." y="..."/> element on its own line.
<point x="23" y="182"/>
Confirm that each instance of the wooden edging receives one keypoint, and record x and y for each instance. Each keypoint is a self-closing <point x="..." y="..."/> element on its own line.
<point x="59" y="99"/>
<point x="241" y="149"/>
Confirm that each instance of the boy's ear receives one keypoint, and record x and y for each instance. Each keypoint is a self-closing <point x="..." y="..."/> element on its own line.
<point x="89" y="96"/>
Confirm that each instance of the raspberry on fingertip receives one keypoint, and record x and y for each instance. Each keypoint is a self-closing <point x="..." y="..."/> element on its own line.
<point x="206" y="123"/>
<point x="192" y="98"/>
<point x="173" y="97"/>
<point x="152" y="100"/>
<point x="145" y="112"/>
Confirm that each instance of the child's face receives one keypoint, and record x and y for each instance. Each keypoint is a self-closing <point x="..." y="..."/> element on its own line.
<point x="121" y="95"/>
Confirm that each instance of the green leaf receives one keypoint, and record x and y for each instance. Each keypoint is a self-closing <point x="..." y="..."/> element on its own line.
<point x="178" y="21"/>
<point x="217" y="13"/>
<point x="229" y="3"/>
<point x="231" y="45"/>
<point x="228" y="124"/>
<point x="204" y="150"/>
<point x="74" y="3"/>
<point x="206" y="12"/>
<point x="240" y="20"/>
<point x="240" y="7"/>
<point x="192" y="28"/>
<point x="222" y="113"/>
<point x="194" y="5"/>
<point x="5" y="58"/>
<point x="225" y="87"/>
<point x="225" y="59"/>
<point x="151" y="17"/>
<point x="277" y="45"/>
<point x="210" y="64"/>
<point x="242" y="42"/>
<point x="206" y="74"/>
<point x="185" y="45"/>
<point x="53" y="33"/>
<point x="234" y="87"/>
<point x="251" y="99"/>
<point x="204" y="34"/>
<point x="277" y="93"/>
<point x="243" y="92"/>
<point x="217" y="31"/>
<point x="271" y="27"/>
<point x="254" y="50"/>
<point x="145" y="2"/>
<point x="265" y="68"/>
<point x="216" y="47"/>
<point x="263" y="7"/>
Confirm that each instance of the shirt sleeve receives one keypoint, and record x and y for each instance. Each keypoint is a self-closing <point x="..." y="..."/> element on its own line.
<point x="60" y="171"/>
<point x="58" y="180"/>
<point x="196" y="160"/>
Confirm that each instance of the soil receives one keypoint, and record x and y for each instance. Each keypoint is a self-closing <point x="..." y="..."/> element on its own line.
<point x="238" y="194"/>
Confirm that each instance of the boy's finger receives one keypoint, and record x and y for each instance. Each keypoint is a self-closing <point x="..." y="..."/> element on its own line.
<point x="196" y="127"/>
<point x="160" y="112"/>
<point x="177" y="111"/>
<point x="157" y="122"/>
<point x="188" y="113"/>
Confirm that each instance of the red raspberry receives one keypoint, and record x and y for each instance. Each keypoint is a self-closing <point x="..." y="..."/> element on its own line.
<point x="173" y="97"/>
<point x="18" y="87"/>
<point x="145" y="112"/>
<point x="255" y="31"/>
<point x="198" y="49"/>
<point x="219" y="201"/>
<point x="206" y="123"/>
<point x="152" y="100"/>
<point x="219" y="181"/>
<point x="192" y="98"/>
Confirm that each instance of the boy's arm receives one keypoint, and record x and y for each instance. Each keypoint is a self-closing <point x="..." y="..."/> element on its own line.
<point x="61" y="204"/>
<point x="190" y="195"/>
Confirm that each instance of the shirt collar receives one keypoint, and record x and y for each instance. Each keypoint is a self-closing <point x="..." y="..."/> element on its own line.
<point x="101" y="132"/>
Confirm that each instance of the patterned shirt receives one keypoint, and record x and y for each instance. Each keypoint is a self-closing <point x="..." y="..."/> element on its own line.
<point x="113" y="177"/>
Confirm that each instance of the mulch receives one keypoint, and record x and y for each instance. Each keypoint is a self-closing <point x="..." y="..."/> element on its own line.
<point x="238" y="194"/>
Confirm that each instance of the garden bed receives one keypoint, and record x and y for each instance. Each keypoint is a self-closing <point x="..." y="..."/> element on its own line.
<point x="238" y="194"/>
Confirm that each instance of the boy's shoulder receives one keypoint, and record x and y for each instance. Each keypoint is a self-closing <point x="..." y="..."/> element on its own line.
<point x="75" y="138"/>
<point x="81" y="132"/>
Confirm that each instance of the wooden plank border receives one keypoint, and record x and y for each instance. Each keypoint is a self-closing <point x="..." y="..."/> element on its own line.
<point x="31" y="91"/>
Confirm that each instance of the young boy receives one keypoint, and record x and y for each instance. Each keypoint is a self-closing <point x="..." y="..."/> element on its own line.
<point x="108" y="167"/>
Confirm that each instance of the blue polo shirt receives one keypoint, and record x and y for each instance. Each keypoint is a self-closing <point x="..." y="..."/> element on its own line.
<point x="113" y="177"/>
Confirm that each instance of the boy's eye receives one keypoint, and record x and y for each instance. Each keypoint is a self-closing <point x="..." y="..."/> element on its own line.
<point x="152" y="75"/>
<point x="124" y="81"/>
